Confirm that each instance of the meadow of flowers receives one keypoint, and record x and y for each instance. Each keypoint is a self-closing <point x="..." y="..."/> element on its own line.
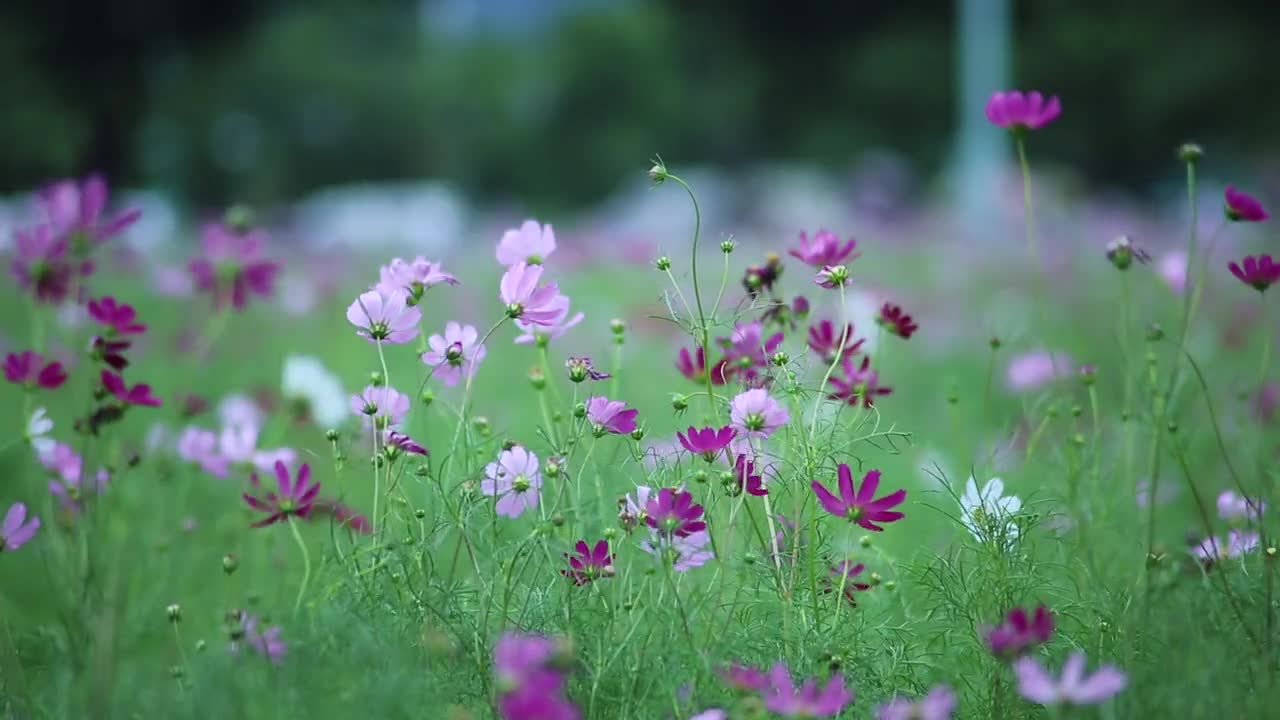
<point x="831" y="479"/>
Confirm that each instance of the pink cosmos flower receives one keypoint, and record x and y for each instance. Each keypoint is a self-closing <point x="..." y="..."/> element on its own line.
<point x="17" y="530"/>
<point x="411" y="277"/>
<point x="893" y="319"/>
<point x="754" y="414"/>
<point x="139" y="394"/>
<point x="937" y="705"/>
<point x="1032" y="370"/>
<point x="31" y="371"/>
<point x="238" y="446"/>
<point x="266" y="643"/>
<point x="530" y="243"/>
<point x="200" y="447"/>
<point x="1232" y="506"/>
<point x="824" y="249"/>
<point x="1020" y="632"/>
<point x="559" y="324"/>
<point x="295" y="497"/>
<point x="686" y="552"/>
<point x="824" y="339"/>
<point x="1239" y="542"/>
<point x="385" y="405"/>
<point x="399" y="443"/>
<point x="1242" y="207"/>
<point x="1072" y="688"/>
<point x="1260" y="272"/>
<point x="844" y="573"/>
<point x="858" y="506"/>
<point x="1013" y="110"/>
<point x="42" y="264"/>
<point x="343" y="515"/>
<point x="712" y="714"/>
<point x="707" y="442"/>
<point x="588" y="563"/>
<point x="747" y="348"/>
<point x="117" y="317"/>
<point x="515" y="480"/>
<point x="743" y="677"/>
<point x="385" y="317"/>
<point x="456" y="354"/>
<point x="75" y="212"/>
<point x="530" y="686"/>
<point x="831" y="277"/>
<point x="808" y="701"/>
<point x="672" y="513"/>
<point x="232" y="267"/>
<point x="860" y="384"/>
<point x="526" y="301"/>
<point x="517" y="656"/>
<point x="1172" y="268"/>
<point x="693" y="366"/>
<point x="746" y="478"/>
<point x="68" y="465"/>
<point x="611" y="415"/>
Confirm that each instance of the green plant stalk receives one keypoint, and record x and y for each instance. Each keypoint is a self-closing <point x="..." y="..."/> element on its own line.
<point x="306" y="563"/>
<point x="703" y="327"/>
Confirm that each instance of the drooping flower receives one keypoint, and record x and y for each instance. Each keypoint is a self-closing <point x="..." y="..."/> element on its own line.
<point x="580" y="368"/>
<point x="672" y="513"/>
<point x="937" y="705"/>
<point x="988" y="514"/>
<point x="39" y="429"/>
<point x="232" y="266"/>
<point x="1232" y="506"/>
<point x="631" y="508"/>
<point x="755" y="414"/>
<point x="75" y="212"/>
<point x="1020" y="632"/>
<point x="385" y="405"/>
<point x="399" y="443"/>
<point x="139" y="394"/>
<point x="110" y="352"/>
<point x="1072" y="688"/>
<point x="560" y="323"/>
<point x="1013" y="110"/>
<point x="42" y="264"/>
<point x="693" y="366"/>
<point x="296" y="497"/>
<point x="860" y="506"/>
<point x="707" y="442"/>
<point x="824" y="249"/>
<point x="17" y="529"/>
<point x="411" y="277"/>
<point x="893" y="319"/>
<point x="831" y="277"/>
<point x="1239" y="542"/>
<point x="842" y="580"/>
<point x="455" y="355"/>
<point x="385" y="317"/>
<point x="1259" y="272"/>
<point x="825" y="340"/>
<point x="526" y="301"/>
<point x="588" y="563"/>
<point x="531" y="243"/>
<point x="316" y="393"/>
<point x="1242" y="207"/>
<point x="746" y="478"/>
<point x="31" y="371"/>
<point x="515" y="480"/>
<point x="808" y="701"/>
<point x="611" y="416"/>
<point x="860" y="384"/>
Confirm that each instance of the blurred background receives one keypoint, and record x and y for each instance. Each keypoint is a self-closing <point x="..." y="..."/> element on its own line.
<point x="555" y="105"/>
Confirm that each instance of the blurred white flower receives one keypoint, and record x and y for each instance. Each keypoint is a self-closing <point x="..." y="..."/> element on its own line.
<point x="988" y="513"/>
<point x="308" y="380"/>
<point x="38" y="429"/>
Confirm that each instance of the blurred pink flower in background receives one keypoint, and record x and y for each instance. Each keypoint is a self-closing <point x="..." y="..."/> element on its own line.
<point x="1031" y="370"/>
<point x="1173" y="268"/>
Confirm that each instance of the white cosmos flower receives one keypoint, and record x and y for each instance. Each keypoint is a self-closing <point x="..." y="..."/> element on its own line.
<point x="38" y="429"/>
<point x="988" y="513"/>
<point x="307" y="379"/>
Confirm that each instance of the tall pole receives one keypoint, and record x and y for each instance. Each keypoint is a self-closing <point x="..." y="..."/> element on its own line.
<point x="983" y="38"/>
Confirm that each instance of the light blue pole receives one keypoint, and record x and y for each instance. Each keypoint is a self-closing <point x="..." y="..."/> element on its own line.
<point x="984" y="35"/>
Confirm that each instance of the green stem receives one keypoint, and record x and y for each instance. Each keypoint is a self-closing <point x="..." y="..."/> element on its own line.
<point x="697" y="297"/>
<point x="306" y="563"/>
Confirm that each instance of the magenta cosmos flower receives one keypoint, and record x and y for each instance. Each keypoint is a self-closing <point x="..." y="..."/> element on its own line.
<point x="514" y="479"/>
<point x="860" y="384"/>
<point x="1242" y="207"/>
<point x="707" y="442"/>
<point x="1073" y="687"/>
<point x="530" y="243"/>
<point x="560" y="323"/>
<point x="1020" y="632"/>
<point x="526" y="301"/>
<point x="824" y="249"/>
<point x="295" y="497"/>
<point x="119" y="318"/>
<point x="397" y="443"/>
<point x="17" y="530"/>
<point x="844" y="573"/>
<point x="673" y="513"/>
<point x="937" y="705"/>
<point x="530" y="685"/>
<point x="1013" y="110"/>
<point x="343" y="515"/>
<point x="748" y="348"/>
<point x="588" y="563"/>
<point x="384" y="317"/>
<point x="456" y="354"/>
<point x="42" y="264"/>
<point x="825" y="340"/>
<point x="754" y="414"/>
<point x="808" y="701"/>
<point x="31" y="371"/>
<point x="893" y="319"/>
<point x="139" y="394"/>
<point x="75" y="212"/>
<point x="1260" y="272"/>
<point x="746" y="478"/>
<point x="859" y="506"/>
<point x="413" y="277"/>
<point x="611" y="415"/>
<point x="693" y="366"/>
<point x="232" y="267"/>
<point x="685" y="552"/>
<point x="743" y="677"/>
<point x="386" y="405"/>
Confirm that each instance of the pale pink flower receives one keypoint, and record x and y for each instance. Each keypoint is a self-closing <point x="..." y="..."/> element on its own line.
<point x="385" y="317"/>
<point x="515" y="480"/>
<point x="456" y="354"/>
<point x="526" y="301"/>
<point x="558" y="326"/>
<point x="754" y="414"/>
<point x="530" y="243"/>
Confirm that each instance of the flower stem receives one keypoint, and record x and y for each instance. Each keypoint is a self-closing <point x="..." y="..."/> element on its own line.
<point x="306" y="563"/>
<point x="697" y="296"/>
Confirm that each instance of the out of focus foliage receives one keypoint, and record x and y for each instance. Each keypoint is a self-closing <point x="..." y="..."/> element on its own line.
<point x="262" y="101"/>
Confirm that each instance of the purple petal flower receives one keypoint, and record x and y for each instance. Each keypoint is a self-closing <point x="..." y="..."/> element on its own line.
<point x="937" y="705"/>
<point x="1014" y="110"/>
<point x="808" y="701"/>
<point x="859" y="505"/>
<point x="1242" y="207"/>
<point x="754" y="414"/>
<point x="824" y="249"/>
<point x="1073" y="687"/>
<point x="611" y="415"/>
<point x="232" y="267"/>
<point x="385" y="317"/>
<point x="455" y="355"/>
<point x="531" y="243"/>
<point x="17" y="529"/>
<point x="385" y="405"/>
<point x="514" y="479"/>
<point x="526" y="301"/>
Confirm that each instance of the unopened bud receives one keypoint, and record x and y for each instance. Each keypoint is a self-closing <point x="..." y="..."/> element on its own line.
<point x="727" y="246"/>
<point x="658" y="172"/>
<point x="865" y="541"/>
<point x="637" y="434"/>
<point x="174" y="612"/>
<point x="331" y="435"/>
<point x="536" y="378"/>
<point x="663" y="263"/>
<point x="580" y="410"/>
<point x="617" y="326"/>
<point x="780" y="358"/>
<point x="427" y="397"/>
<point x="376" y="379"/>
<point x="1155" y="333"/>
<point x="1190" y="152"/>
<point x="481" y="424"/>
<point x="230" y="563"/>
<point x="679" y="402"/>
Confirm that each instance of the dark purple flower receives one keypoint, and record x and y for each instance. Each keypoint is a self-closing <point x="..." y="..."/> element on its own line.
<point x="824" y="339"/>
<point x="588" y="563"/>
<point x="397" y="442"/>
<point x="42" y="264"/>
<point x="75" y="213"/>
<point x="110" y="352"/>
<point x="824" y="249"/>
<point x="673" y="513"/>
<point x="808" y="701"/>
<point x="860" y="385"/>
<point x="843" y="574"/>
<point x="580" y="368"/>
<point x="1013" y="110"/>
<point x="30" y="370"/>
<point x="745" y="477"/>
<point x="1260" y="272"/>
<point x="295" y="498"/>
<point x="693" y="366"/>
<point x="17" y="528"/>
<point x="232" y="267"/>
<point x="893" y="319"/>
<point x="1242" y="207"/>
<point x="747" y="348"/>
<point x="761" y="278"/>
<point x="139" y="394"/>
<point x="1020" y="632"/>
<point x="611" y="415"/>
<point x="707" y="442"/>
<point x="859" y="506"/>
<point x="118" y="318"/>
